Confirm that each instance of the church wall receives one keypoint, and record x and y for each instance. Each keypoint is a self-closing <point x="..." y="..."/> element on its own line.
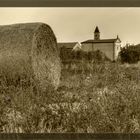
<point x="107" y="48"/>
<point x="87" y="47"/>
<point x="117" y="49"/>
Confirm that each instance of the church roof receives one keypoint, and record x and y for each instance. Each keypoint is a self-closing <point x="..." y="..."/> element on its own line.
<point x="96" y="30"/>
<point x="101" y="41"/>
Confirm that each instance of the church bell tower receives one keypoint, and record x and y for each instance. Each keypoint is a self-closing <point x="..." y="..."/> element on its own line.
<point x="96" y="33"/>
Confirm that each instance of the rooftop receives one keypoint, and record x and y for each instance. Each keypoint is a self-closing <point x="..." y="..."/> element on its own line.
<point x="96" y="30"/>
<point x="68" y="45"/>
<point x="101" y="41"/>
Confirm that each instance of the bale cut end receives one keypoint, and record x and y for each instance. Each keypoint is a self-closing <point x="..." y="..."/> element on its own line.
<point x="45" y="58"/>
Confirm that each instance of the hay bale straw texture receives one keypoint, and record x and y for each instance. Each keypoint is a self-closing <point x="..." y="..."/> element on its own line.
<point x="30" y="49"/>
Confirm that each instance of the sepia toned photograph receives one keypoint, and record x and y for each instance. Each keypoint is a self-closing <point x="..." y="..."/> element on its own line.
<point x="69" y="70"/>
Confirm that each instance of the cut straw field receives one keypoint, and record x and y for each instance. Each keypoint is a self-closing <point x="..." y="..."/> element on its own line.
<point x="104" y="99"/>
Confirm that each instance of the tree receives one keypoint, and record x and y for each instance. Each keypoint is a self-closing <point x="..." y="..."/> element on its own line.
<point x="130" y="54"/>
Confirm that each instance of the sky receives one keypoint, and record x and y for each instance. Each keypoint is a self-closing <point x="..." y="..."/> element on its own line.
<point x="78" y="24"/>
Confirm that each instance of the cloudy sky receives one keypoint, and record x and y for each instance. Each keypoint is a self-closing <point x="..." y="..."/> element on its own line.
<point x="78" y="24"/>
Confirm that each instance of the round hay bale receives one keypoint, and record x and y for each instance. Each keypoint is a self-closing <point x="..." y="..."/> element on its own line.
<point x="30" y="49"/>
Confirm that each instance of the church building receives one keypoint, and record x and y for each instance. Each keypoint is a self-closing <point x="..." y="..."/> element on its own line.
<point x="110" y="47"/>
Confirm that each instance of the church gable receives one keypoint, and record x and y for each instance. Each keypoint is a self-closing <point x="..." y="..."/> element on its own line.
<point x="118" y="41"/>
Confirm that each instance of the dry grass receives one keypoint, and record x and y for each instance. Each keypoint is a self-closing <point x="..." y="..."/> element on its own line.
<point x="102" y="99"/>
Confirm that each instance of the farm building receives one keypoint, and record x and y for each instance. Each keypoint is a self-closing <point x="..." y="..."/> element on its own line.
<point x="70" y="46"/>
<point x="110" y="47"/>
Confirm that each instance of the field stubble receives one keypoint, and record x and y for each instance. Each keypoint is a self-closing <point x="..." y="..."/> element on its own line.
<point x="103" y="98"/>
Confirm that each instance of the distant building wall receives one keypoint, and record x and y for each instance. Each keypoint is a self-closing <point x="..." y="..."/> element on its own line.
<point x="107" y="48"/>
<point x="117" y="49"/>
<point x="77" y="47"/>
<point x="87" y="47"/>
